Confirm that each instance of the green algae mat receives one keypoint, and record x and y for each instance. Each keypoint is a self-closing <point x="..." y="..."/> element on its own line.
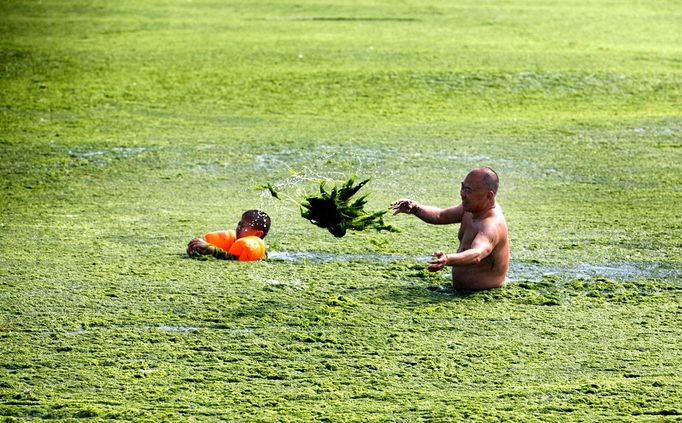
<point x="127" y="128"/>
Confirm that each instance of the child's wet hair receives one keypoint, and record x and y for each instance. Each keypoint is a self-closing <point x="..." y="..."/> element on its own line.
<point x="258" y="220"/>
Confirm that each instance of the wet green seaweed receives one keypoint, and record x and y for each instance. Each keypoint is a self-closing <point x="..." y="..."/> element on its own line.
<point x="127" y="127"/>
<point x="334" y="211"/>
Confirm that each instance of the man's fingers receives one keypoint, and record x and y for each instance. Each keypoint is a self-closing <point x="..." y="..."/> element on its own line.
<point x="401" y="206"/>
<point x="434" y="268"/>
<point x="437" y="262"/>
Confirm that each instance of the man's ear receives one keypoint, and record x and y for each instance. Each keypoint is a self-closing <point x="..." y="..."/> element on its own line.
<point x="260" y="234"/>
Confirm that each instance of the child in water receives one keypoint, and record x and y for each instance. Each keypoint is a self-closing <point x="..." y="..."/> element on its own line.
<point x="244" y="244"/>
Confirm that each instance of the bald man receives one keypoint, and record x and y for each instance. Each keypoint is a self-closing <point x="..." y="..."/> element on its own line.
<point x="482" y="259"/>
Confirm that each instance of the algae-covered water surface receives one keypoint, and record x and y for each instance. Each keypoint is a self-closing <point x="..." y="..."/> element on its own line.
<point x="127" y="128"/>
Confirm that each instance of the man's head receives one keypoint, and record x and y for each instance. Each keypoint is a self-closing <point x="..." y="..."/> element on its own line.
<point x="253" y="223"/>
<point x="479" y="189"/>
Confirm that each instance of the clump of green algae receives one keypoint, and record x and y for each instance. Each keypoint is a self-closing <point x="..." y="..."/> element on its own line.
<point x="334" y="210"/>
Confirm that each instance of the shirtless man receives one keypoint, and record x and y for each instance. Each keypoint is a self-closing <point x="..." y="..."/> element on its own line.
<point x="482" y="259"/>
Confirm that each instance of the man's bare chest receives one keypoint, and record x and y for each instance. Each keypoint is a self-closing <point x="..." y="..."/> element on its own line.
<point x="468" y="230"/>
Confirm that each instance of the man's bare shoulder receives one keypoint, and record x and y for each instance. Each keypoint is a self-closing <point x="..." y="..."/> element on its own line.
<point x="498" y="224"/>
<point x="494" y="223"/>
<point x="497" y="214"/>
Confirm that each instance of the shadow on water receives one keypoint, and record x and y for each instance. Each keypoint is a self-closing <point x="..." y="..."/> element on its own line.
<point x="424" y="293"/>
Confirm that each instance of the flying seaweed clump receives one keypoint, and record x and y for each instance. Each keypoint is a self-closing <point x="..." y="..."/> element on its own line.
<point x="334" y="210"/>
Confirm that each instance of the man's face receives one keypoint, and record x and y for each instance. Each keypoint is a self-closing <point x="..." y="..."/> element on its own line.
<point x="473" y="193"/>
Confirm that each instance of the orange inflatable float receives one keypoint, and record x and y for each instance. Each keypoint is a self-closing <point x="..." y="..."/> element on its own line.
<point x="249" y="248"/>
<point x="221" y="239"/>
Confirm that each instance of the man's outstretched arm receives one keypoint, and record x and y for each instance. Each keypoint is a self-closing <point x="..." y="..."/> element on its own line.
<point x="429" y="214"/>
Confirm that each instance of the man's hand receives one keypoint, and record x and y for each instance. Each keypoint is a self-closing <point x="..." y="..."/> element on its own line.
<point x="198" y="247"/>
<point x="403" y="206"/>
<point x="439" y="261"/>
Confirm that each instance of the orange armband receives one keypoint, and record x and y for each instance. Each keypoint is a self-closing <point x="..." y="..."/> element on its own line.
<point x="221" y="239"/>
<point x="249" y="248"/>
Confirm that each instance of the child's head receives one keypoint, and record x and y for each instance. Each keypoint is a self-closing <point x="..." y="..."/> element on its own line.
<point x="253" y="223"/>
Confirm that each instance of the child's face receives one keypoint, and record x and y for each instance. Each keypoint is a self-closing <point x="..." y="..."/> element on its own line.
<point x="244" y="228"/>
